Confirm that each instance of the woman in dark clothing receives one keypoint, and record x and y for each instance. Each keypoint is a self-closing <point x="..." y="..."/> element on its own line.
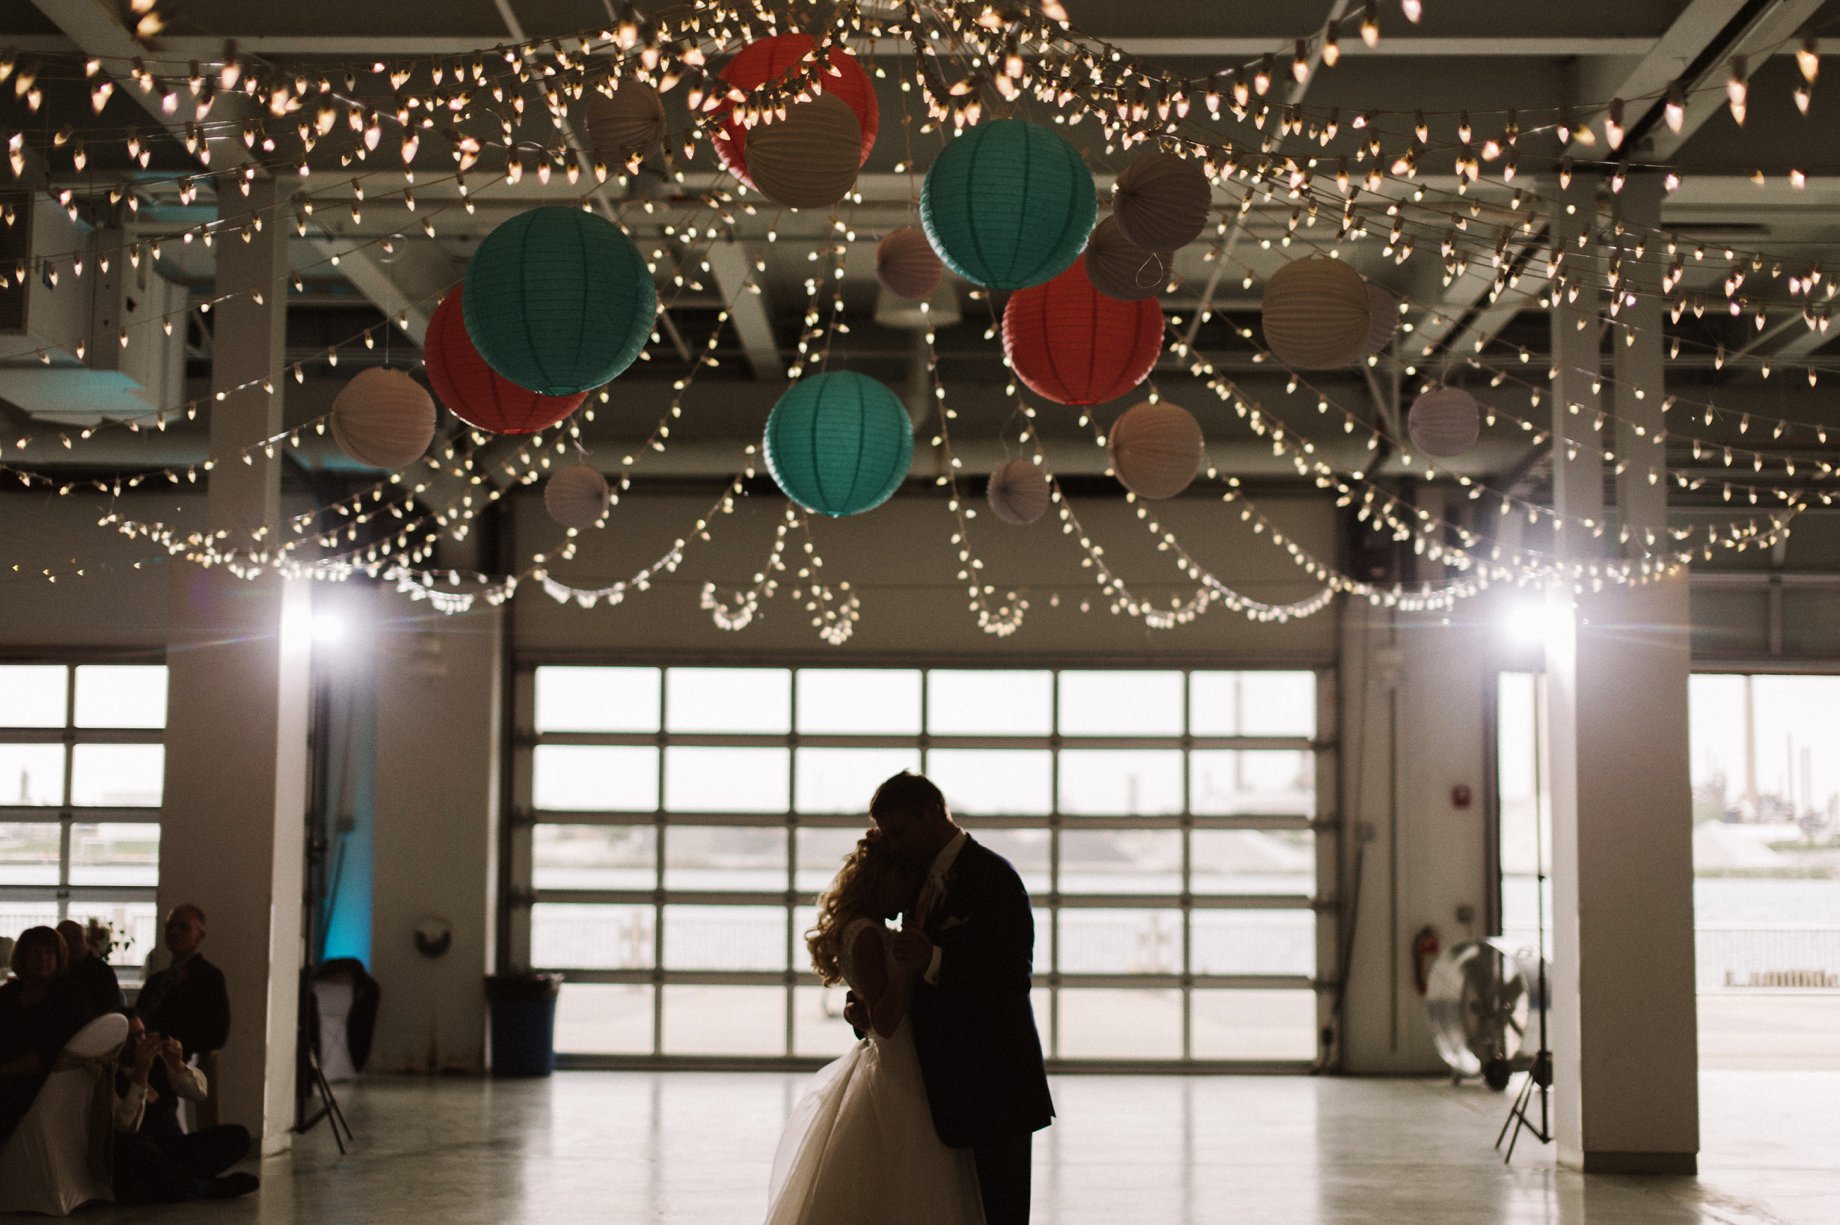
<point x="38" y="1014"/>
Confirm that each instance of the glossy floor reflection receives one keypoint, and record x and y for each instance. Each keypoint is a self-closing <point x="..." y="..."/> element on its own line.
<point x="693" y="1147"/>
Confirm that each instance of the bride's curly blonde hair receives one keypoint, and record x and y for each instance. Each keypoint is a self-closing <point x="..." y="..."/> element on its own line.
<point x="859" y="891"/>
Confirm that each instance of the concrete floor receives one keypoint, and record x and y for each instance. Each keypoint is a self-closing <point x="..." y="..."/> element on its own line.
<point x="612" y="1148"/>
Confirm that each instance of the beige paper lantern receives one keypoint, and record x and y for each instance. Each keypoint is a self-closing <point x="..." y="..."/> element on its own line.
<point x="1316" y="314"/>
<point x="1445" y="421"/>
<point x="810" y="158"/>
<point x="1018" y="492"/>
<point x="383" y="419"/>
<point x="906" y="265"/>
<point x="1119" y="268"/>
<point x="1156" y="449"/>
<point x="576" y="496"/>
<point x="631" y="121"/>
<point x="1162" y="201"/>
<point x="1382" y="318"/>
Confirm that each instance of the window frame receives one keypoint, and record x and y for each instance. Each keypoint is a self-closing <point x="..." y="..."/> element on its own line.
<point x="520" y="895"/>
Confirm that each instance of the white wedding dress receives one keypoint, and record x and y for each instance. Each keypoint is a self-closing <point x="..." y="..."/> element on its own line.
<point x="860" y="1148"/>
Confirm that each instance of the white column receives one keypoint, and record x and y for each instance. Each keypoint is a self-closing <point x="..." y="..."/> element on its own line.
<point x="1624" y="1032"/>
<point x="233" y="820"/>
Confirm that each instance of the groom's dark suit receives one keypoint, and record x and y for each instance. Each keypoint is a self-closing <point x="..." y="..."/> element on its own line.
<point x="975" y="1030"/>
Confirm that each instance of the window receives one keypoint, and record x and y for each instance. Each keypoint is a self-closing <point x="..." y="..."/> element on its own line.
<point x="683" y="820"/>
<point x="81" y="772"/>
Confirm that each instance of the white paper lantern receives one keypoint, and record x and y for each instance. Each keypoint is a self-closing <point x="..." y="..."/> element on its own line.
<point x="1018" y="492"/>
<point x="1383" y="318"/>
<point x="1156" y="449"/>
<point x="1119" y="268"/>
<point x="906" y="265"/>
<point x="576" y="496"/>
<point x="383" y="418"/>
<point x="1445" y="421"/>
<point x="810" y="158"/>
<point x="631" y="121"/>
<point x="1316" y="314"/>
<point x="1162" y="201"/>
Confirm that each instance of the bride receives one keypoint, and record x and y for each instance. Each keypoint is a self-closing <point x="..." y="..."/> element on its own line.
<point x="860" y="1148"/>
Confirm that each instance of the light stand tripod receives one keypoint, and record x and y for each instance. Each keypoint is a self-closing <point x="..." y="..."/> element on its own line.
<point x="1540" y="1075"/>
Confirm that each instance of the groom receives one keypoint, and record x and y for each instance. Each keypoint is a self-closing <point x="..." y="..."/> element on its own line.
<point x="971" y="936"/>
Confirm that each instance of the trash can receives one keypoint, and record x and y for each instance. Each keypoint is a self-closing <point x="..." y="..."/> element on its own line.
<point x="523" y="1023"/>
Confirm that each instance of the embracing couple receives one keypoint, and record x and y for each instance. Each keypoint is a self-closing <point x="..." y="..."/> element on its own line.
<point x="928" y="1120"/>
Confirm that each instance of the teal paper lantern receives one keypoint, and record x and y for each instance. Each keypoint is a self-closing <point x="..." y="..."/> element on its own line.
<point x="559" y="301"/>
<point x="1008" y="204"/>
<point x="839" y="443"/>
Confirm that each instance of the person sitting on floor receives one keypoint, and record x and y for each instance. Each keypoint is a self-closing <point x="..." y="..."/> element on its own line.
<point x="193" y="1166"/>
<point x="187" y="1001"/>
<point x="92" y="980"/>
<point x="38" y="1014"/>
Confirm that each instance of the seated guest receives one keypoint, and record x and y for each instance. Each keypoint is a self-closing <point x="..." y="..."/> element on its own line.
<point x="92" y="981"/>
<point x="188" y="1002"/>
<point x="193" y="1167"/>
<point x="38" y="1014"/>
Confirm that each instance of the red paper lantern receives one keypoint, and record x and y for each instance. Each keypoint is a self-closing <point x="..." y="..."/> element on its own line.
<point x="772" y="58"/>
<point x="1073" y="345"/>
<point x="476" y="393"/>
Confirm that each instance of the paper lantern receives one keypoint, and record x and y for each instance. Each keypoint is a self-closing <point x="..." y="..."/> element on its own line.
<point x="558" y="300"/>
<point x="1119" y="268"/>
<point x="476" y="393"/>
<point x="1316" y="314"/>
<point x="1382" y="319"/>
<point x="1156" y="449"/>
<point x="1008" y="204"/>
<point x="1071" y="344"/>
<point x="629" y="122"/>
<point x="383" y="419"/>
<point x="1018" y="492"/>
<point x="807" y="159"/>
<point x="839" y="443"/>
<point x="771" y="59"/>
<point x="906" y="266"/>
<point x="1162" y="201"/>
<point x="576" y="496"/>
<point x="1445" y="421"/>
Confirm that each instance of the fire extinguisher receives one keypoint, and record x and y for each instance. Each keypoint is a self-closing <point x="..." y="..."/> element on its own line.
<point x="1424" y="952"/>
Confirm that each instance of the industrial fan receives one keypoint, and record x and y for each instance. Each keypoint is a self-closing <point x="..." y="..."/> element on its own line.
<point x="1481" y="996"/>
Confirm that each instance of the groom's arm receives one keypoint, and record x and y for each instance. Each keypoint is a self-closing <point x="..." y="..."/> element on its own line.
<point x="994" y="947"/>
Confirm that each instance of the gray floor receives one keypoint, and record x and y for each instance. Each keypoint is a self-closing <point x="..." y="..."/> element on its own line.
<point x="692" y="1147"/>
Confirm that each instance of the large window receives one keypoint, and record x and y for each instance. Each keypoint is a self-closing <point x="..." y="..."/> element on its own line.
<point x="681" y="821"/>
<point x="81" y="771"/>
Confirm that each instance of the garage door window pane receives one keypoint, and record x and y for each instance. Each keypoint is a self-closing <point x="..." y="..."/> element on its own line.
<point x="725" y="937"/>
<point x="844" y="780"/>
<point x="1121" y="704"/>
<point x="116" y="853"/>
<point x="859" y="701"/>
<point x="975" y="703"/>
<point x="594" y="857"/>
<point x="1121" y="941"/>
<point x="586" y="778"/>
<point x="725" y="858"/>
<point x="31" y="774"/>
<point x="121" y="695"/>
<point x="1121" y="782"/>
<point x="28" y="856"/>
<point x="591" y="937"/>
<point x="728" y="700"/>
<point x="726" y="780"/>
<point x="1254" y="1024"/>
<point x="1254" y="942"/>
<point x="1121" y="861"/>
<point x="33" y="695"/>
<point x="821" y="853"/>
<point x="1252" y="703"/>
<point x="994" y="782"/>
<point x="597" y="699"/>
<point x="604" y="1019"/>
<point x="1026" y="850"/>
<point x="1118" y="1024"/>
<point x="725" y="1020"/>
<point x="818" y="1027"/>
<point x="118" y="775"/>
<point x="1253" y="861"/>
<point x="1270" y="782"/>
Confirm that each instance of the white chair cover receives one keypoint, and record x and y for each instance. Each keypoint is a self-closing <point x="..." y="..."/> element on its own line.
<point x="333" y="995"/>
<point x="48" y="1165"/>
